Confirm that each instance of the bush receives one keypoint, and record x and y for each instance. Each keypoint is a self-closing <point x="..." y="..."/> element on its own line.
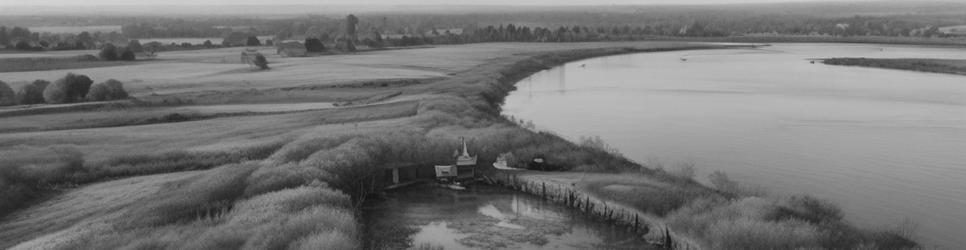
<point x="23" y="45"/>
<point x="7" y="96"/>
<point x="32" y="93"/>
<point x="253" y="41"/>
<point x="127" y="55"/>
<point x="135" y="46"/>
<point x="107" y="91"/>
<point x="260" y="61"/>
<point x="108" y="53"/>
<point x="314" y="45"/>
<point x="69" y="89"/>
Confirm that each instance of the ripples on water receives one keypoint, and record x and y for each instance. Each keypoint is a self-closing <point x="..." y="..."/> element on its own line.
<point x="885" y="144"/>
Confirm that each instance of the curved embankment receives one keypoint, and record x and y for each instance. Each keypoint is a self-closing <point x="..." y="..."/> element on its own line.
<point x="944" y="66"/>
<point x="736" y="221"/>
<point x="564" y="188"/>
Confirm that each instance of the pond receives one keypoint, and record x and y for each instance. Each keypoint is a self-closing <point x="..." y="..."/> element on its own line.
<point x="886" y="145"/>
<point x="484" y="217"/>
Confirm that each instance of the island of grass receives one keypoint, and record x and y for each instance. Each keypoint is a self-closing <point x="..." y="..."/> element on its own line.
<point x="945" y="66"/>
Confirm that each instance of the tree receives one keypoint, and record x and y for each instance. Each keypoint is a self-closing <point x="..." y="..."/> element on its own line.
<point x="260" y="61"/>
<point x="7" y="96"/>
<point x="350" y="30"/>
<point x="135" y="46"/>
<point x="23" y="45"/>
<point x="4" y="38"/>
<point x="127" y="55"/>
<point x="253" y="41"/>
<point x="107" y="91"/>
<point x="108" y="53"/>
<point x="85" y="40"/>
<point x="32" y="93"/>
<point x="314" y="45"/>
<point x="68" y="89"/>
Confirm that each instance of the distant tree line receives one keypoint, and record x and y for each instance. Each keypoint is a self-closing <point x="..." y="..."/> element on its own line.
<point x="593" y="24"/>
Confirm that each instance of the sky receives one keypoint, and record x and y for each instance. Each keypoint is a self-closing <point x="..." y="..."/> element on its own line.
<point x="387" y="2"/>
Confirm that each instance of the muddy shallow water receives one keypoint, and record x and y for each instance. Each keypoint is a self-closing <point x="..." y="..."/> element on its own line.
<point x="484" y="218"/>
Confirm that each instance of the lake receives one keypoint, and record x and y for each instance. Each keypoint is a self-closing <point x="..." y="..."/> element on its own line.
<point x="484" y="217"/>
<point x="886" y="145"/>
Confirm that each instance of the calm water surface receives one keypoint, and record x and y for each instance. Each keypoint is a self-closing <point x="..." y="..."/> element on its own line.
<point x="485" y="218"/>
<point x="884" y="144"/>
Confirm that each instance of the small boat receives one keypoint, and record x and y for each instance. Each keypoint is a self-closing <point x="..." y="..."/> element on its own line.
<point x="684" y="59"/>
<point x="812" y="62"/>
<point x="454" y="186"/>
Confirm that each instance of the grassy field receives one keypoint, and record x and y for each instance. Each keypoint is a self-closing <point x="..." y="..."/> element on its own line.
<point x="25" y="64"/>
<point x="945" y="66"/>
<point x="260" y="159"/>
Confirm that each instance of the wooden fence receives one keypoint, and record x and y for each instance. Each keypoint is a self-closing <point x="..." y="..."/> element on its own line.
<point x="635" y="221"/>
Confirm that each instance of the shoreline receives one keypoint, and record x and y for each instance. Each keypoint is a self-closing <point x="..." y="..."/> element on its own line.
<point x="522" y="69"/>
<point x="926" y="65"/>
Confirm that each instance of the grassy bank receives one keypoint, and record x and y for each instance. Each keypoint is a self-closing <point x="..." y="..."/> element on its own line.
<point x="945" y="66"/>
<point x="290" y="180"/>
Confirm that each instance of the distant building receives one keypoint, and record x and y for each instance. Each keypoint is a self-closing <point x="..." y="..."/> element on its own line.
<point x="465" y="167"/>
<point x="954" y="30"/>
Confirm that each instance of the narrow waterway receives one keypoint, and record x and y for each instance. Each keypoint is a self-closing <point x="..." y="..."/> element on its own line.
<point x="886" y="145"/>
<point x="483" y="217"/>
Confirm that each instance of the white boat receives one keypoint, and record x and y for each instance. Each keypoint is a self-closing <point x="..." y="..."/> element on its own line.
<point x="455" y="187"/>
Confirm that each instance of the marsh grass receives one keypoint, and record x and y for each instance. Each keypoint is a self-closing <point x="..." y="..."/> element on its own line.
<point x="795" y="222"/>
<point x="25" y="172"/>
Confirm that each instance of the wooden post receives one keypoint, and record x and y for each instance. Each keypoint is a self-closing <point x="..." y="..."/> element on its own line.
<point x="636" y="226"/>
<point x="543" y="186"/>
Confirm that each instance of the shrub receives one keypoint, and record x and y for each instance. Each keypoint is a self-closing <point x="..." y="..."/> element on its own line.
<point x="107" y="91"/>
<point x="32" y="93"/>
<point x="23" y="45"/>
<point x="57" y="92"/>
<point x="127" y="55"/>
<point x="108" y="53"/>
<point x="252" y="41"/>
<point x="260" y="61"/>
<point x="135" y="46"/>
<point x="68" y="89"/>
<point x="97" y="93"/>
<point x="7" y="96"/>
<point x="314" y="45"/>
<point x="756" y="234"/>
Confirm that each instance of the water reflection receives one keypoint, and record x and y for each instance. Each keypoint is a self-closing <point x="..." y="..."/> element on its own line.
<point x="485" y="218"/>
